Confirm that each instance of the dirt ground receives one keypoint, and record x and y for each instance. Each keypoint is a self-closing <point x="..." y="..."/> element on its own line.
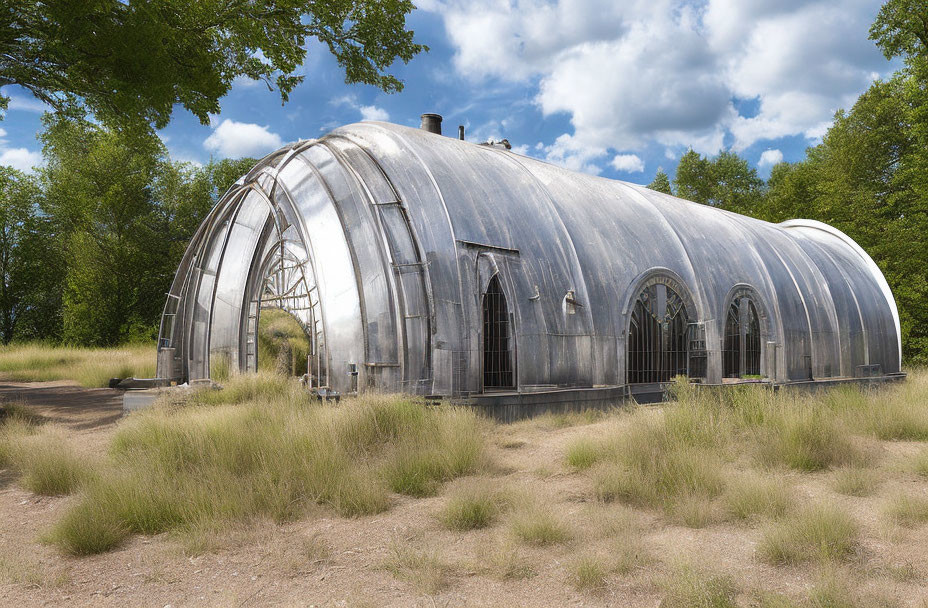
<point x="264" y="565"/>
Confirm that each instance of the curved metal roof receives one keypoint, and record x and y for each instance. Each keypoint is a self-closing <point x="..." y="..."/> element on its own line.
<point x="384" y="239"/>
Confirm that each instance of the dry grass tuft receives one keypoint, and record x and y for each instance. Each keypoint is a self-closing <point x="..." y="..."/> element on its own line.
<point x="504" y="561"/>
<point x="806" y="437"/>
<point x="821" y="533"/>
<point x="18" y="570"/>
<point x="855" y="481"/>
<point x="90" y="367"/>
<point x="621" y="527"/>
<point x="687" y="588"/>
<point x="208" y="462"/>
<point x="919" y="463"/>
<point x="907" y="510"/>
<point x="535" y="523"/>
<point x="587" y="574"/>
<point x="582" y="453"/>
<point x="753" y="496"/>
<point x="425" y="571"/>
<point x="473" y="504"/>
<point x="42" y="456"/>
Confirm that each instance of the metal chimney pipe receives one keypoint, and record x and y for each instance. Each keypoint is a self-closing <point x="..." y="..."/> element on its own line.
<point x="431" y="123"/>
<point x="461" y="132"/>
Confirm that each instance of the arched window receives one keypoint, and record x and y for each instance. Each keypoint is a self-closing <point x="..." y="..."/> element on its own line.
<point x="497" y="347"/>
<point x="657" y="338"/>
<point x="741" y="349"/>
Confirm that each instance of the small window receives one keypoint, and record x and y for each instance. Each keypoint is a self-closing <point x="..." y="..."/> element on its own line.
<point x="497" y="348"/>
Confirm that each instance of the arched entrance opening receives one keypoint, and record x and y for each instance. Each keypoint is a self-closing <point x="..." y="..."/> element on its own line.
<point x="658" y="335"/>
<point x="497" y="339"/>
<point x="741" y="350"/>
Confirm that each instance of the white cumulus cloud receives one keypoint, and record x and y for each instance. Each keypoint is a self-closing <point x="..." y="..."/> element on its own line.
<point x="20" y="158"/>
<point x="630" y="163"/>
<point x="231" y="139"/>
<point x="374" y="113"/>
<point x="672" y="72"/>
<point x="769" y="158"/>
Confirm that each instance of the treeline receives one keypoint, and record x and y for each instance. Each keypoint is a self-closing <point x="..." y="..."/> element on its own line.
<point x="90" y="243"/>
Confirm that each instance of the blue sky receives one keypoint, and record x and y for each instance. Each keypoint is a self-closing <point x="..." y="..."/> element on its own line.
<point x="613" y="88"/>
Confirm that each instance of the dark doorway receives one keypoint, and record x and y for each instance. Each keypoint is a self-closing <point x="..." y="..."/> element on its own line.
<point x="741" y="348"/>
<point x="657" y="337"/>
<point x="497" y="348"/>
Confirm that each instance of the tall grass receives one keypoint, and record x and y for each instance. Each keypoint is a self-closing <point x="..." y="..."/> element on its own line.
<point x="689" y="588"/>
<point x="282" y="344"/>
<point x="176" y="467"/>
<point x="90" y="367"/>
<point x="534" y="522"/>
<point x="473" y="505"/>
<point x="822" y="533"/>
<point x="41" y="455"/>
<point x="681" y="458"/>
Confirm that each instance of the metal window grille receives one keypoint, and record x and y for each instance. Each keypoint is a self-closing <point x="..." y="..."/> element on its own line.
<point x="741" y="350"/>
<point x="698" y="353"/>
<point x="497" y="350"/>
<point x="657" y="340"/>
<point x="752" y="343"/>
<point x="731" y="350"/>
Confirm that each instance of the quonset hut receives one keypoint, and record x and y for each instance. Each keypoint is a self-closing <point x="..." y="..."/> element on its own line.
<point x="428" y="265"/>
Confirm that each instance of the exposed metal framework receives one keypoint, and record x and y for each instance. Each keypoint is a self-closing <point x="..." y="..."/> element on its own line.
<point x="383" y="241"/>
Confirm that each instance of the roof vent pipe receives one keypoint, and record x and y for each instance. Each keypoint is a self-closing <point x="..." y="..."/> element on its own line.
<point x="431" y="123"/>
<point x="461" y="132"/>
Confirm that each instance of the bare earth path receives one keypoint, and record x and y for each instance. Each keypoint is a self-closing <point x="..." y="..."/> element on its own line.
<point x="269" y="565"/>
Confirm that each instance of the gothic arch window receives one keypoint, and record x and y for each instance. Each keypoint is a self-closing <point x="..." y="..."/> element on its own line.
<point x="741" y="350"/>
<point x="658" y="334"/>
<point x="497" y="339"/>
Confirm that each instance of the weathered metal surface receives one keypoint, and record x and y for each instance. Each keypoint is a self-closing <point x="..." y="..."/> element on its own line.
<point x="390" y="236"/>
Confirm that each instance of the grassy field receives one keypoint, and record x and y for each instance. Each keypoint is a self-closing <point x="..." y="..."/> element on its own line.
<point x="90" y="367"/>
<point x="93" y="367"/>
<point x="741" y="497"/>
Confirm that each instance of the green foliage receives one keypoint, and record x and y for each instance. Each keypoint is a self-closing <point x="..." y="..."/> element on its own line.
<point x="901" y="29"/>
<point x="113" y="220"/>
<point x="661" y="183"/>
<point x="27" y="265"/>
<point x="727" y="181"/>
<point x="129" y="63"/>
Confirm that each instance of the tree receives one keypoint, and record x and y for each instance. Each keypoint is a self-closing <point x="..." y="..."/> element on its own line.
<point x="727" y="181"/>
<point x="131" y="62"/>
<point x="98" y="193"/>
<point x="661" y="182"/>
<point x="18" y="201"/>
<point x="901" y="29"/>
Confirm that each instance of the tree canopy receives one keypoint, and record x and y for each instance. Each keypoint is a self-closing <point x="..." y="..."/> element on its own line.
<point x="129" y="63"/>
<point x="726" y="181"/>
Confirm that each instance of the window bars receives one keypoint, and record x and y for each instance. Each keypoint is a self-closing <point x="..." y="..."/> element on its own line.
<point x="497" y="350"/>
<point x="741" y="348"/>
<point x="657" y="340"/>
